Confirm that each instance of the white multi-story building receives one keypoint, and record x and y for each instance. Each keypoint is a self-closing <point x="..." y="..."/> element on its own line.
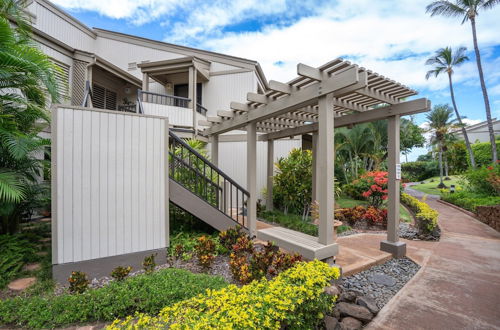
<point x="111" y="70"/>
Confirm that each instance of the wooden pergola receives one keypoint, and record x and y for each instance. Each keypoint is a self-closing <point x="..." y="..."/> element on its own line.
<point x="336" y="94"/>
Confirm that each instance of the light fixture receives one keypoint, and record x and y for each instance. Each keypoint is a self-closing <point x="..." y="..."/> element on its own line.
<point x="452" y="188"/>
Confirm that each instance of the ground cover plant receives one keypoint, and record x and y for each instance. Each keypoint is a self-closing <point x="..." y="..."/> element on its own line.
<point x="295" y="299"/>
<point x="141" y="293"/>
<point x="426" y="218"/>
<point x="470" y="200"/>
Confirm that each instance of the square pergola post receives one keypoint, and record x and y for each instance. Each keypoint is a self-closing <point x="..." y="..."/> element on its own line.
<point x="315" y="176"/>
<point x="270" y="174"/>
<point x="214" y="149"/>
<point x="326" y="168"/>
<point x="392" y="244"/>
<point x="252" y="177"/>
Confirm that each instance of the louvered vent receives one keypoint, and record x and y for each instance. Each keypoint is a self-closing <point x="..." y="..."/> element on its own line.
<point x="62" y="80"/>
<point x="103" y="98"/>
<point x="132" y="66"/>
<point x="78" y="85"/>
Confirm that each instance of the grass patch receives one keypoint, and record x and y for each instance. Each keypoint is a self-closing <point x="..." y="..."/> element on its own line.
<point x="291" y="221"/>
<point x="143" y="293"/>
<point x="431" y="187"/>
<point x="470" y="200"/>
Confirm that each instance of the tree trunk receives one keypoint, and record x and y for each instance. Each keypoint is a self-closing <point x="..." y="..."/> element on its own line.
<point x="441" y="183"/>
<point x="446" y="166"/>
<point x="485" y="93"/>
<point x="464" y="131"/>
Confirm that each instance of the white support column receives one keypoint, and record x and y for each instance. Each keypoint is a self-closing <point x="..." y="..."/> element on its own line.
<point x="315" y="176"/>
<point x="145" y="82"/>
<point x="214" y="149"/>
<point x="325" y="167"/>
<point x="252" y="177"/>
<point x="392" y="244"/>
<point x="192" y="96"/>
<point x="270" y="174"/>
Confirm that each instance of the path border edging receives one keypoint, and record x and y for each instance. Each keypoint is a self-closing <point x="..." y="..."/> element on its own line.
<point x="469" y="213"/>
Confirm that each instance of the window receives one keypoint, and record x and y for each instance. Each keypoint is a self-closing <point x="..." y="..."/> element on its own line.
<point x="103" y="98"/>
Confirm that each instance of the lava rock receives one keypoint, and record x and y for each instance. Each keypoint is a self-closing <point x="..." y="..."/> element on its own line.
<point x="359" y="312"/>
<point x="332" y="290"/>
<point x="368" y="303"/>
<point x="349" y="323"/>
<point x="383" y="279"/>
<point x="331" y="323"/>
<point x="349" y="296"/>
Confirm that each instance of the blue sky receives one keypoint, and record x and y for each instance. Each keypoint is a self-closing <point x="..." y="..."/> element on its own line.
<point x="391" y="37"/>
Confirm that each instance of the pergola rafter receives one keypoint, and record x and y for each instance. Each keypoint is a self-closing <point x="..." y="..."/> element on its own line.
<point x="335" y="94"/>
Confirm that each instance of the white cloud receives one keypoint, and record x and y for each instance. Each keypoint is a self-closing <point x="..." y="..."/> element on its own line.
<point x="393" y="38"/>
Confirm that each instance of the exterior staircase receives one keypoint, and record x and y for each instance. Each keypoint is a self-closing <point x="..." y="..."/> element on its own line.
<point x="202" y="189"/>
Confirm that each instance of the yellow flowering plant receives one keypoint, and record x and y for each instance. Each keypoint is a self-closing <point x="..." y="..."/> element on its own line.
<point x="427" y="218"/>
<point x="295" y="299"/>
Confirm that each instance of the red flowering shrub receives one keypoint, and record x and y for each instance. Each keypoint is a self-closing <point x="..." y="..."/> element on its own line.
<point x="371" y="186"/>
<point x="371" y="214"/>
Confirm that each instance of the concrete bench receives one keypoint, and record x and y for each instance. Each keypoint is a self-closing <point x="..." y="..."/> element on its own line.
<point x="294" y="241"/>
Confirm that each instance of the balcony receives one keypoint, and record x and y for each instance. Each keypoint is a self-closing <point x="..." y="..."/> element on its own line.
<point x="176" y="108"/>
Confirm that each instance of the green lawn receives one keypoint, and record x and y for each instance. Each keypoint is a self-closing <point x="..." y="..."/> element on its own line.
<point x="346" y="202"/>
<point x="431" y="187"/>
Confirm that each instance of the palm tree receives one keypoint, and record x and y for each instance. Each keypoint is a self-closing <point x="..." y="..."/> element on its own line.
<point x="440" y="121"/>
<point x="26" y="82"/>
<point x="444" y="61"/>
<point x="468" y="9"/>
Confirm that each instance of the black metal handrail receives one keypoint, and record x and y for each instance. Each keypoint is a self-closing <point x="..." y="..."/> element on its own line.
<point x="127" y="107"/>
<point x="201" y="109"/>
<point x="87" y="95"/>
<point x="197" y="174"/>
<point x="163" y="99"/>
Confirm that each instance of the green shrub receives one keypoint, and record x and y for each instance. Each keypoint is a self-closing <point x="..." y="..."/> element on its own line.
<point x="292" y="188"/>
<point x="419" y="171"/>
<point x="15" y="252"/>
<point x="149" y="263"/>
<point x="142" y="293"/>
<point x="484" y="180"/>
<point x="78" y="282"/>
<point x="120" y="273"/>
<point x="426" y="217"/>
<point x="470" y="200"/>
<point x="295" y="299"/>
<point x="291" y="221"/>
<point x="482" y="153"/>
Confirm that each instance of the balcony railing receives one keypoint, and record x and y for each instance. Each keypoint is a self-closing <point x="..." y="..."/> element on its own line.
<point x="128" y="107"/>
<point x="164" y="99"/>
<point x="201" y="109"/>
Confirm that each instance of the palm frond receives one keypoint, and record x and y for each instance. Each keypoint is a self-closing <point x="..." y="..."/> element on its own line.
<point x="445" y="8"/>
<point x="11" y="188"/>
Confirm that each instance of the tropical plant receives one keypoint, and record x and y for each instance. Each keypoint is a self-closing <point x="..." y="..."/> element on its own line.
<point x="444" y="61"/>
<point x="469" y="10"/>
<point x="292" y="189"/>
<point x="28" y="84"/>
<point x="440" y="121"/>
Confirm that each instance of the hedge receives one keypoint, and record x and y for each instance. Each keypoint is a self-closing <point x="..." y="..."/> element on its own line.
<point x="295" y="299"/>
<point x="426" y="217"/>
<point x="142" y="293"/>
<point x="469" y="200"/>
<point x="419" y="171"/>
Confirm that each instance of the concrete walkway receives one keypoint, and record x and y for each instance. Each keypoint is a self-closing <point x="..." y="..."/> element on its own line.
<point x="458" y="286"/>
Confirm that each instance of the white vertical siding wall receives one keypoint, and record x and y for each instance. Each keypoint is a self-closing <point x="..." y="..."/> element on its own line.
<point x="233" y="159"/>
<point x="221" y="90"/>
<point x="110" y="191"/>
<point x="177" y="116"/>
<point x="62" y="28"/>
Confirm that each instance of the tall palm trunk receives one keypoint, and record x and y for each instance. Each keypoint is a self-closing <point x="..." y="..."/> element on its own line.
<point x="464" y="131"/>
<point x="446" y="169"/>
<point x="441" y="183"/>
<point x="485" y="93"/>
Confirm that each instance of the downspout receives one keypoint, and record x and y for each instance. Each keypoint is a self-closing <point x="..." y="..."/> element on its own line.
<point x="88" y="77"/>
